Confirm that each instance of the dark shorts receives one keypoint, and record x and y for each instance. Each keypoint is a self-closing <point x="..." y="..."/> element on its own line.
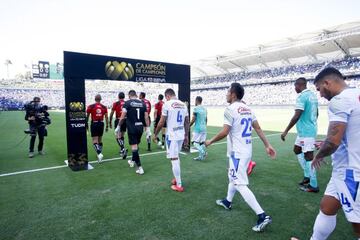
<point x="97" y="129"/>
<point x="135" y="138"/>
<point x="122" y="127"/>
<point x="157" y="120"/>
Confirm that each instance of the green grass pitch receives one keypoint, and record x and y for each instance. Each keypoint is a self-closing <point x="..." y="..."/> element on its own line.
<point x="112" y="202"/>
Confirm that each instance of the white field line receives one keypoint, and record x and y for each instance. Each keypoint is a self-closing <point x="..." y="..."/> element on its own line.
<point x="106" y="160"/>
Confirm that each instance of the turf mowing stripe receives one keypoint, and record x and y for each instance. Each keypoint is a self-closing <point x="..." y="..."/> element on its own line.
<point x="106" y="160"/>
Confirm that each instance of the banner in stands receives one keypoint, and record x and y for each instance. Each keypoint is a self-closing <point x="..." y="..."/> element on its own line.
<point x="57" y="71"/>
<point x="78" y="67"/>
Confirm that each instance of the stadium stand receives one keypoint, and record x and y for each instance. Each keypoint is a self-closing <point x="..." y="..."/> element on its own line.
<point x="267" y="71"/>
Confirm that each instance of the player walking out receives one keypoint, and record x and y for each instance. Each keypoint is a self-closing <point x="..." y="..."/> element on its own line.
<point x="148" y="110"/>
<point x="305" y="118"/>
<point x="175" y="114"/>
<point x="134" y="111"/>
<point x="343" y="144"/>
<point x="119" y="133"/>
<point x="199" y="132"/>
<point x="157" y="115"/>
<point x="239" y="121"/>
<point x="97" y="112"/>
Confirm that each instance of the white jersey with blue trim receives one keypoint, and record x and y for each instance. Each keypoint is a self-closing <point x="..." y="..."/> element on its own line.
<point x="240" y="118"/>
<point x="175" y="111"/>
<point x="345" y="107"/>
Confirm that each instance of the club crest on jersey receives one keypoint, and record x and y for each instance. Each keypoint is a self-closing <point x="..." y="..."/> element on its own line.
<point x="177" y="105"/>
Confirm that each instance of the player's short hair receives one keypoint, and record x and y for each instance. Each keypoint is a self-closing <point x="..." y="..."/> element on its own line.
<point x="121" y="95"/>
<point x="161" y="97"/>
<point x="327" y="72"/>
<point x="238" y="90"/>
<point x="36" y="99"/>
<point x="132" y="93"/>
<point x="301" y="81"/>
<point x="142" y="95"/>
<point x="97" y="97"/>
<point x="198" y="99"/>
<point x="170" y="92"/>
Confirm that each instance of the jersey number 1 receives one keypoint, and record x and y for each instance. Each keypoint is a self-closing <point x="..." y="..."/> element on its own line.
<point x="138" y="113"/>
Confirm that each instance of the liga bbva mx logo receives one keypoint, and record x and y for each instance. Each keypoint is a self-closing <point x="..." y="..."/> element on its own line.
<point x="121" y="71"/>
<point x="76" y="106"/>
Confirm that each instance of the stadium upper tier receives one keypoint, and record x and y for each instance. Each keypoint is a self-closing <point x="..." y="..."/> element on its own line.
<point x="349" y="66"/>
<point x="320" y="46"/>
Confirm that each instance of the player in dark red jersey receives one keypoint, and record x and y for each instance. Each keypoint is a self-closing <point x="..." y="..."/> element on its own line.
<point x="148" y="110"/>
<point x="97" y="112"/>
<point x="134" y="111"/>
<point x="157" y="115"/>
<point x="119" y="133"/>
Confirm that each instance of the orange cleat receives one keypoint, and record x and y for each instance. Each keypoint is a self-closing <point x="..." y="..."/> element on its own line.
<point x="177" y="188"/>
<point x="251" y="167"/>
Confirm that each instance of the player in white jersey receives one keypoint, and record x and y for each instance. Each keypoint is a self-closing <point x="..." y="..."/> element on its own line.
<point x="343" y="144"/>
<point x="175" y="114"/>
<point x="239" y="121"/>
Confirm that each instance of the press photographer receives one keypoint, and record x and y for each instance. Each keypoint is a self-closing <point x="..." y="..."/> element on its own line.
<point x="38" y="118"/>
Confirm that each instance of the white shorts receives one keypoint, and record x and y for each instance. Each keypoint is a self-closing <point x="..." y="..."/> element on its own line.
<point x="346" y="191"/>
<point x="198" y="137"/>
<point x="238" y="170"/>
<point x="173" y="147"/>
<point x="307" y="144"/>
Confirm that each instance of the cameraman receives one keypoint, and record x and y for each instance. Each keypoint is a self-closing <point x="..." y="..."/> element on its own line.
<point x="37" y="117"/>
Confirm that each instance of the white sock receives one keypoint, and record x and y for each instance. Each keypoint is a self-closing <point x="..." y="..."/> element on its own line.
<point x="249" y="198"/>
<point x="324" y="225"/>
<point x="301" y="160"/>
<point x="176" y="171"/>
<point x="231" y="192"/>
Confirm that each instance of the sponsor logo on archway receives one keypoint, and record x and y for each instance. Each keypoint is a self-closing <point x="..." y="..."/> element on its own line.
<point x="119" y="70"/>
<point x="150" y="72"/>
<point x="77" y="115"/>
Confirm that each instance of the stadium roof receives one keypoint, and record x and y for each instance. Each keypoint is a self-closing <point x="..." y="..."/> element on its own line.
<point x="326" y="44"/>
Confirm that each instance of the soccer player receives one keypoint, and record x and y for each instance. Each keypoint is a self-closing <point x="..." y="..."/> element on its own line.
<point x="97" y="112"/>
<point x="157" y="115"/>
<point x="305" y="118"/>
<point x="175" y="114"/>
<point x="148" y="110"/>
<point x="134" y="111"/>
<point x="343" y="144"/>
<point x="117" y="108"/>
<point x="199" y="132"/>
<point x="239" y="121"/>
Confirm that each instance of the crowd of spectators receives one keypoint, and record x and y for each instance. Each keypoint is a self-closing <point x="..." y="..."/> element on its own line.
<point x="347" y="66"/>
<point x="266" y="87"/>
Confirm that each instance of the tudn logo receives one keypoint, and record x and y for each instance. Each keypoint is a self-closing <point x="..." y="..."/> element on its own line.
<point x="115" y="70"/>
<point x="76" y="106"/>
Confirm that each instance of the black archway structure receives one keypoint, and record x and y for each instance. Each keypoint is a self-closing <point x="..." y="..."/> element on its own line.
<point x="79" y="66"/>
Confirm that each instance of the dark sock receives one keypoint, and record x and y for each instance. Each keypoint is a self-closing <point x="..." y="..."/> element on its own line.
<point x="157" y="139"/>
<point x="97" y="148"/>
<point x="136" y="157"/>
<point x="101" y="146"/>
<point x="262" y="216"/>
<point x="163" y="139"/>
<point x="120" y="141"/>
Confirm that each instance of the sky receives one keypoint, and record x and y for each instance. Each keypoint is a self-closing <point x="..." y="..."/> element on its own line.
<point x="161" y="30"/>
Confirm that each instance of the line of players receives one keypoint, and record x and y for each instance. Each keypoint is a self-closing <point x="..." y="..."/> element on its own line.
<point x="239" y="120"/>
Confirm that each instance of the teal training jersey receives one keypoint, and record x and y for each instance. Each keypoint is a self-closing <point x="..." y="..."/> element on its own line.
<point x="307" y="124"/>
<point x="200" y="122"/>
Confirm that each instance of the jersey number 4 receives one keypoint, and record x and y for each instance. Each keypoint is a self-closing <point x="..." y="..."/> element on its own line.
<point x="179" y="117"/>
<point x="247" y="129"/>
